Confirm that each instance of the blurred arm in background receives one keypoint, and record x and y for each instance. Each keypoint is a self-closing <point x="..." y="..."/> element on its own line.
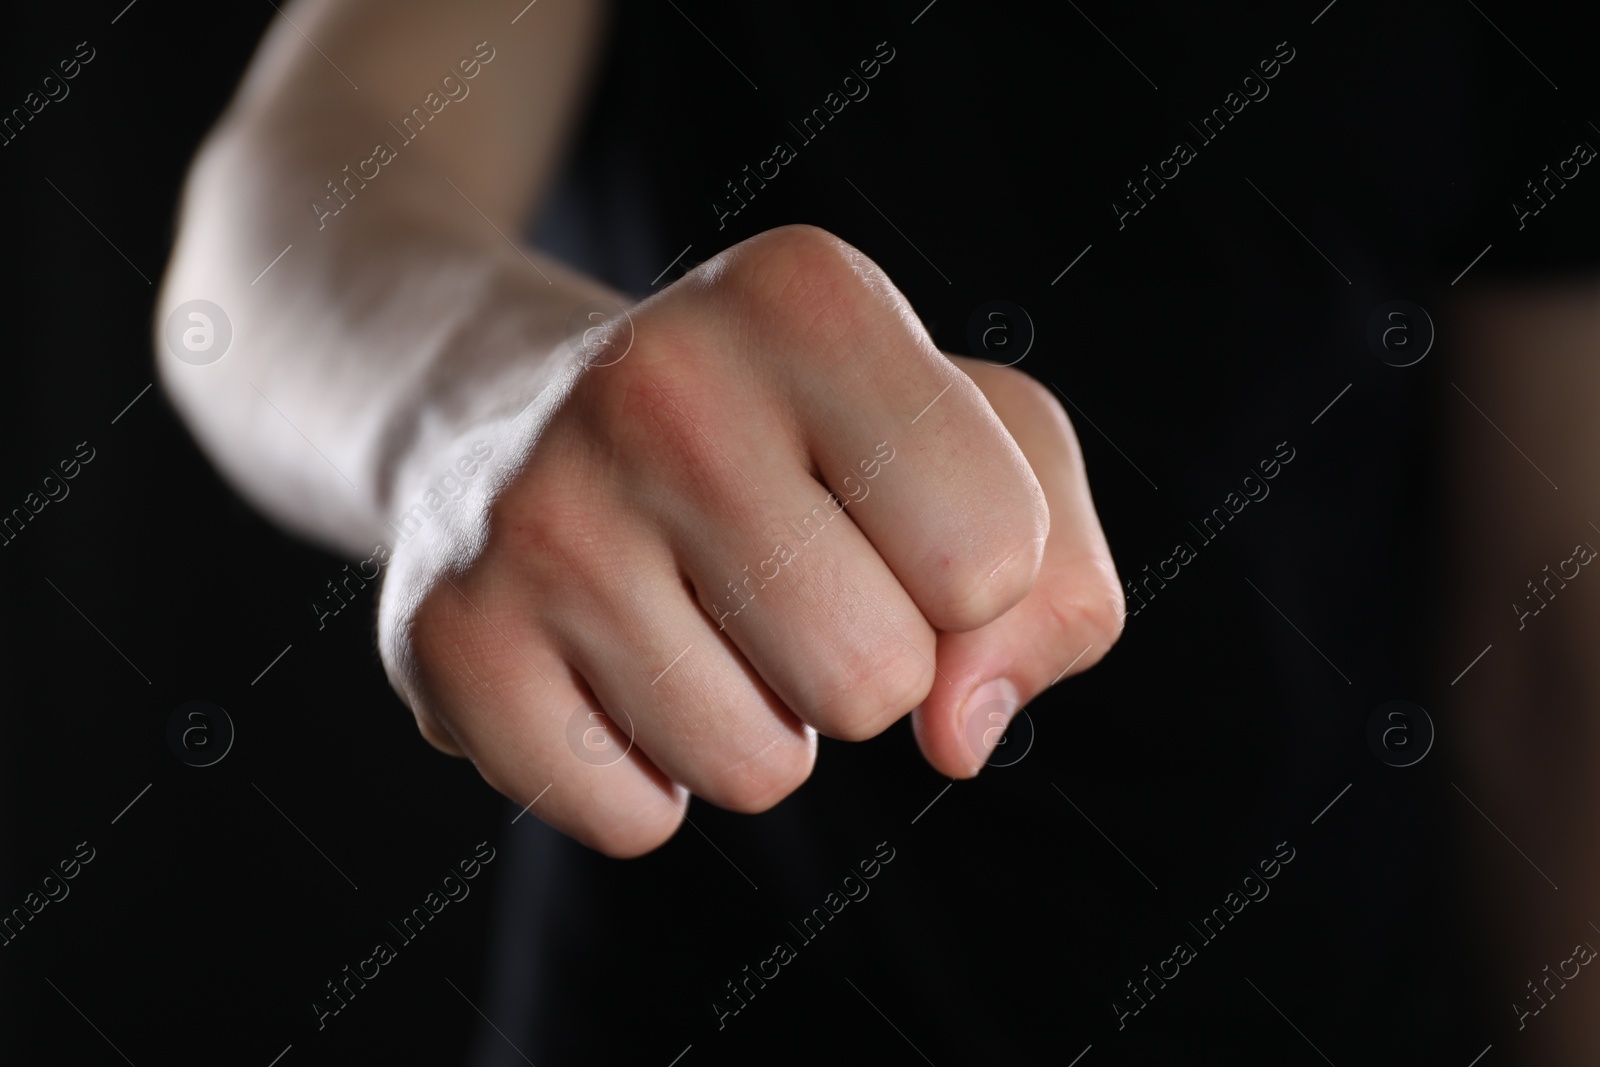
<point x="1529" y="728"/>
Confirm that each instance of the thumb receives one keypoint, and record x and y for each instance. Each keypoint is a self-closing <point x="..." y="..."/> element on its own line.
<point x="1067" y="622"/>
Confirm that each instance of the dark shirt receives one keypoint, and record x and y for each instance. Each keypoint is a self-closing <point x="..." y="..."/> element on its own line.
<point x="1238" y="192"/>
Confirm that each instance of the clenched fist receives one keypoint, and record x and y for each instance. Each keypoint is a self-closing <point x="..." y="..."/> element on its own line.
<point x="784" y="512"/>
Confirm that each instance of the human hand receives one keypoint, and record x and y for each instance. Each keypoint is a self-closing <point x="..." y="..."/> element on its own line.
<point x="784" y="512"/>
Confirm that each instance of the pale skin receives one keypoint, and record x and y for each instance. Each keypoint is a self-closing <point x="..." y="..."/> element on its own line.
<point x="597" y="547"/>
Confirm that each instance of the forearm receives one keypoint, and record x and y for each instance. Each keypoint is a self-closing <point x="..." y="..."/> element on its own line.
<point x="386" y="330"/>
<point x="372" y="346"/>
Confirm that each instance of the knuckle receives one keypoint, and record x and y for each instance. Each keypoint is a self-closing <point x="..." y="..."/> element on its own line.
<point x="655" y="423"/>
<point x="1106" y="610"/>
<point x="555" y="532"/>
<point x="795" y="249"/>
<point x="866" y="693"/>
<point x="977" y="591"/>
<point x="623" y="824"/>
<point x="1088" y="606"/>
<point x="762" y="779"/>
<point x="803" y="278"/>
<point x="559" y="542"/>
<point x="644" y="829"/>
<point x="670" y="352"/>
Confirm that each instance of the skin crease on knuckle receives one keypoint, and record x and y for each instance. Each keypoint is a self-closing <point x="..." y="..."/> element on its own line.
<point x="991" y="559"/>
<point x="872" y="692"/>
<point x="1097" y="596"/>
<point x="628" y="822"/>
<point x="623" y="818"/>
<point x="1089" y="580"/>
<point x="1080" y="613"/>
<point x="996" y="557"/>
<point x="627" y="839"/>
<point x="849" y="663"/>
<point x="999" y="576"/>
<point x="763" y="778"/>
<point x="1108" y="610"/>
<point x="623" y="833"/>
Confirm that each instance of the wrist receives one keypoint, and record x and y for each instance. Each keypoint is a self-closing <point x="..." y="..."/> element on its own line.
<point x="496" y="369"/>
